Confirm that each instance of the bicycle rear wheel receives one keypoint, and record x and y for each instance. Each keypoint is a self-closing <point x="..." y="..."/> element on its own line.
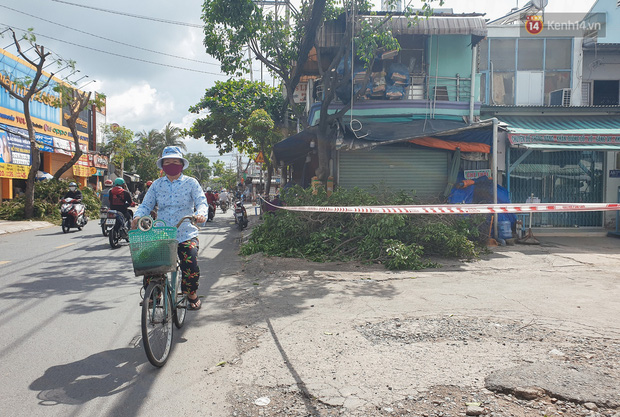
<point x="157" y="323"/>
<point x="178" y="315"/>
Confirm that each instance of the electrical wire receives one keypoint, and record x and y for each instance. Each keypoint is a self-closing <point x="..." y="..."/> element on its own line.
<point x="120" y="55"/>
<point x="171" y="22"/>
<point x="107" y="39"/>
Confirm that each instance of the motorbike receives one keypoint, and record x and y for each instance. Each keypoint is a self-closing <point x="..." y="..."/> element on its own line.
<point x="117" y="227"/>
<point x="224" y="206"/>
<point x="103" y="215"/>
<point x="72" y="213"/>
<point x="211" y="212"/>
<point x="241" y="215"/>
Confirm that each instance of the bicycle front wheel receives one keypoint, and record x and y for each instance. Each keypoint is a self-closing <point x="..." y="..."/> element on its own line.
<point x="157" y="323"/>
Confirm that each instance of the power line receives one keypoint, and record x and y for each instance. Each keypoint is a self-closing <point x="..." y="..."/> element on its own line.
<point x="110" y="40"/>
<point x="172" y="22"/>
<point x="123" y="56"/>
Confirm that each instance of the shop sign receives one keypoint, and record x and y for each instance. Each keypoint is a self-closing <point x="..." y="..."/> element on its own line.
<point x="472" y="174"/>
<point x="14" y="148"/>
<point x="516" y="139"/>
<point x="14" y="171"/>
<point x="99" y="172"/>
<point x="299" y="95"/>
<point x="82" y="167"/>
<point x="67" y="147"/>
<point x="614" y="173"/>
<point x="45" y="143"/>
<point x="100" y="161"/>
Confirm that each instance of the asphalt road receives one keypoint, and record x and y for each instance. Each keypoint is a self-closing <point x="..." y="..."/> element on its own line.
<point x="285" y="337"/>
<point x="70" y="326"/>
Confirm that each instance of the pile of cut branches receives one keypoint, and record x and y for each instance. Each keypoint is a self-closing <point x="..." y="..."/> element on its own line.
<point x="398" y="241"/>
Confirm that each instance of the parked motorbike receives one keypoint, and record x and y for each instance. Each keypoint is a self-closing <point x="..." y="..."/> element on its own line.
<point x="241" y="215"/>
<point x="224" y="206"/>
<point x="72" y="213"/>
<point x="103" y="215"/>
<point x="117" y="227"/>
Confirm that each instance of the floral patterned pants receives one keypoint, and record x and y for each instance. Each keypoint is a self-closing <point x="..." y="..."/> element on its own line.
<point x="188" y="263"/>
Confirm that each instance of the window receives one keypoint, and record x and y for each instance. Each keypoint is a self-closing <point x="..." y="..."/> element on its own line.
<point x="483" y="55"/>
<point x="503" y="54"/>
<point x="605" y="93"/>
<point x="558" y="54"/>
<point x="503" y="88"/>
<point x="530" y="55"/>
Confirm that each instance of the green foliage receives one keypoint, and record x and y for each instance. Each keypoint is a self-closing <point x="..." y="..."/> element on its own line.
<point x="394" y="240"/>
<point x="228" y="106"/>
<point x="119" y="143"/>
<point x="47" y="194"/>
<point x="199" y="167"/>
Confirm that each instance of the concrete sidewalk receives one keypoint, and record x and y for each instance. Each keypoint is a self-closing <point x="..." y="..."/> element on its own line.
<point x="21" y="226"/>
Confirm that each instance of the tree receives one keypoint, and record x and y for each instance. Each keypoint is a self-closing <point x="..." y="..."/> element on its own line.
<point x="229" y="105"/>
<point x="284" y="47"/>
<point x="171" y="136"/>
<point x="119" y="145"/>
<point x="144" y="163"/>
<point x="75" y="102"/>
<point x="261" y="129"/>
<point x="151" y="141"/>
<point x="24" y="91"/>
<point x="198" y="167"/>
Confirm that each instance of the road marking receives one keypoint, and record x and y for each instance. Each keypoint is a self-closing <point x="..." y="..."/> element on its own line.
<point x="64" y="246"/>
<point x="4" y="262"/>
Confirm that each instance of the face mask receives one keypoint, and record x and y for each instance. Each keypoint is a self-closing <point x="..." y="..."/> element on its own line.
<point x="173" y="169"/>
<point x="72" y="188"/>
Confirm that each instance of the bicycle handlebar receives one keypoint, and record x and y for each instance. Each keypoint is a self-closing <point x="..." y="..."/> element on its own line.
<point x="192" y="220"/>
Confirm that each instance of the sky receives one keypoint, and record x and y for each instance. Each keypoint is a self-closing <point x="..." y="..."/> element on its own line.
<point x="147" y="57"/>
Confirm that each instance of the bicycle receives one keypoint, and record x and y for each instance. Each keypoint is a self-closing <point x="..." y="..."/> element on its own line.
<point x="154" y="253"/>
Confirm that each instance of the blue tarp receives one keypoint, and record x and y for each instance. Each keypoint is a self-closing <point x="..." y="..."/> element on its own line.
<point x="480" y="195"/>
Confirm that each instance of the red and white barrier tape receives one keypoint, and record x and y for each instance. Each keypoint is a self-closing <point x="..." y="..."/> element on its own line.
<point x="458" y="208"/>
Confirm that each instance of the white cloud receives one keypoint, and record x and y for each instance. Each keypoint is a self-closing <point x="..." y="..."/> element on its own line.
<point x="140" y="102"/>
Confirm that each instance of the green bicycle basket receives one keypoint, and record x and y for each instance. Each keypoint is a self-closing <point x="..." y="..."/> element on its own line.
<point x="153" y="251"/>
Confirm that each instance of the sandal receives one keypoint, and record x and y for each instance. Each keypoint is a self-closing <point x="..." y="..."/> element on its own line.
<point x="194" y="304"/>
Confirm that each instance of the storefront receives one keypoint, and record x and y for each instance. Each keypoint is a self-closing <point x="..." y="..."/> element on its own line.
<point x="53" y="137"/>
<point x="563" y="159"/>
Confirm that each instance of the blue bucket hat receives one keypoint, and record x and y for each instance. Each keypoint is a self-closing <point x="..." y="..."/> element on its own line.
<point x="172" y="152"/>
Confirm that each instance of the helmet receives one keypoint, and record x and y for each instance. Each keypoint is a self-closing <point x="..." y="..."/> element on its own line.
<point x="119" y="181"/>
<point x="208" y="189"/>
<point x="223" y="190"/>
<point x="108" y="183"/>
<point x="148" y="183"/>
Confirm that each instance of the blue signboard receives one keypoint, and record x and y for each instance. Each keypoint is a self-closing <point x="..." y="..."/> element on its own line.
<point x="614" y="173"/>
<point x="13" y="71"/>
<point x="46" y="143"/>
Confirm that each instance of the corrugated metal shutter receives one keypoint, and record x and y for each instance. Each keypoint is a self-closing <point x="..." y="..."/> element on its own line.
<point x="400" y="168"/>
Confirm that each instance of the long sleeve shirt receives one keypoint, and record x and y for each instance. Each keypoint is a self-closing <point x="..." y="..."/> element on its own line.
<point x="175" y="200"/>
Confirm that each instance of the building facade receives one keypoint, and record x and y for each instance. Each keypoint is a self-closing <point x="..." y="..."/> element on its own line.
<point x="53" y="136"/>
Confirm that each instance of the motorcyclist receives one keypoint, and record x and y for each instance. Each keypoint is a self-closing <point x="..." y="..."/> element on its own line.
<point x="120" y="199"/>
<point x="210" y="199"/>
<point x="74" y="192"/>
<point x="105" y="193"/>
<point x="143" y="193"/>
<point x="223" y="197"/>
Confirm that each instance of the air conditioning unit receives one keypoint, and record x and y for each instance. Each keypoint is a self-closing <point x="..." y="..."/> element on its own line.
<point x="560" y="97"/>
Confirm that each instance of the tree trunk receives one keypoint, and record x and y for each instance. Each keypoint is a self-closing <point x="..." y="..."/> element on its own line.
<point x="34" y="159"/>
<point x="268" y="187"/>
<point x="79" y="101"/>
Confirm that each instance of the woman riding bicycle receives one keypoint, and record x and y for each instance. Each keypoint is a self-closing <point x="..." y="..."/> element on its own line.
<point x="176" y="196"/>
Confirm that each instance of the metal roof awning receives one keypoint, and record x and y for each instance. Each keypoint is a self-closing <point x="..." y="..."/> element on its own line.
<point x="439" y="25"/>
<point x="564" y="132"/>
